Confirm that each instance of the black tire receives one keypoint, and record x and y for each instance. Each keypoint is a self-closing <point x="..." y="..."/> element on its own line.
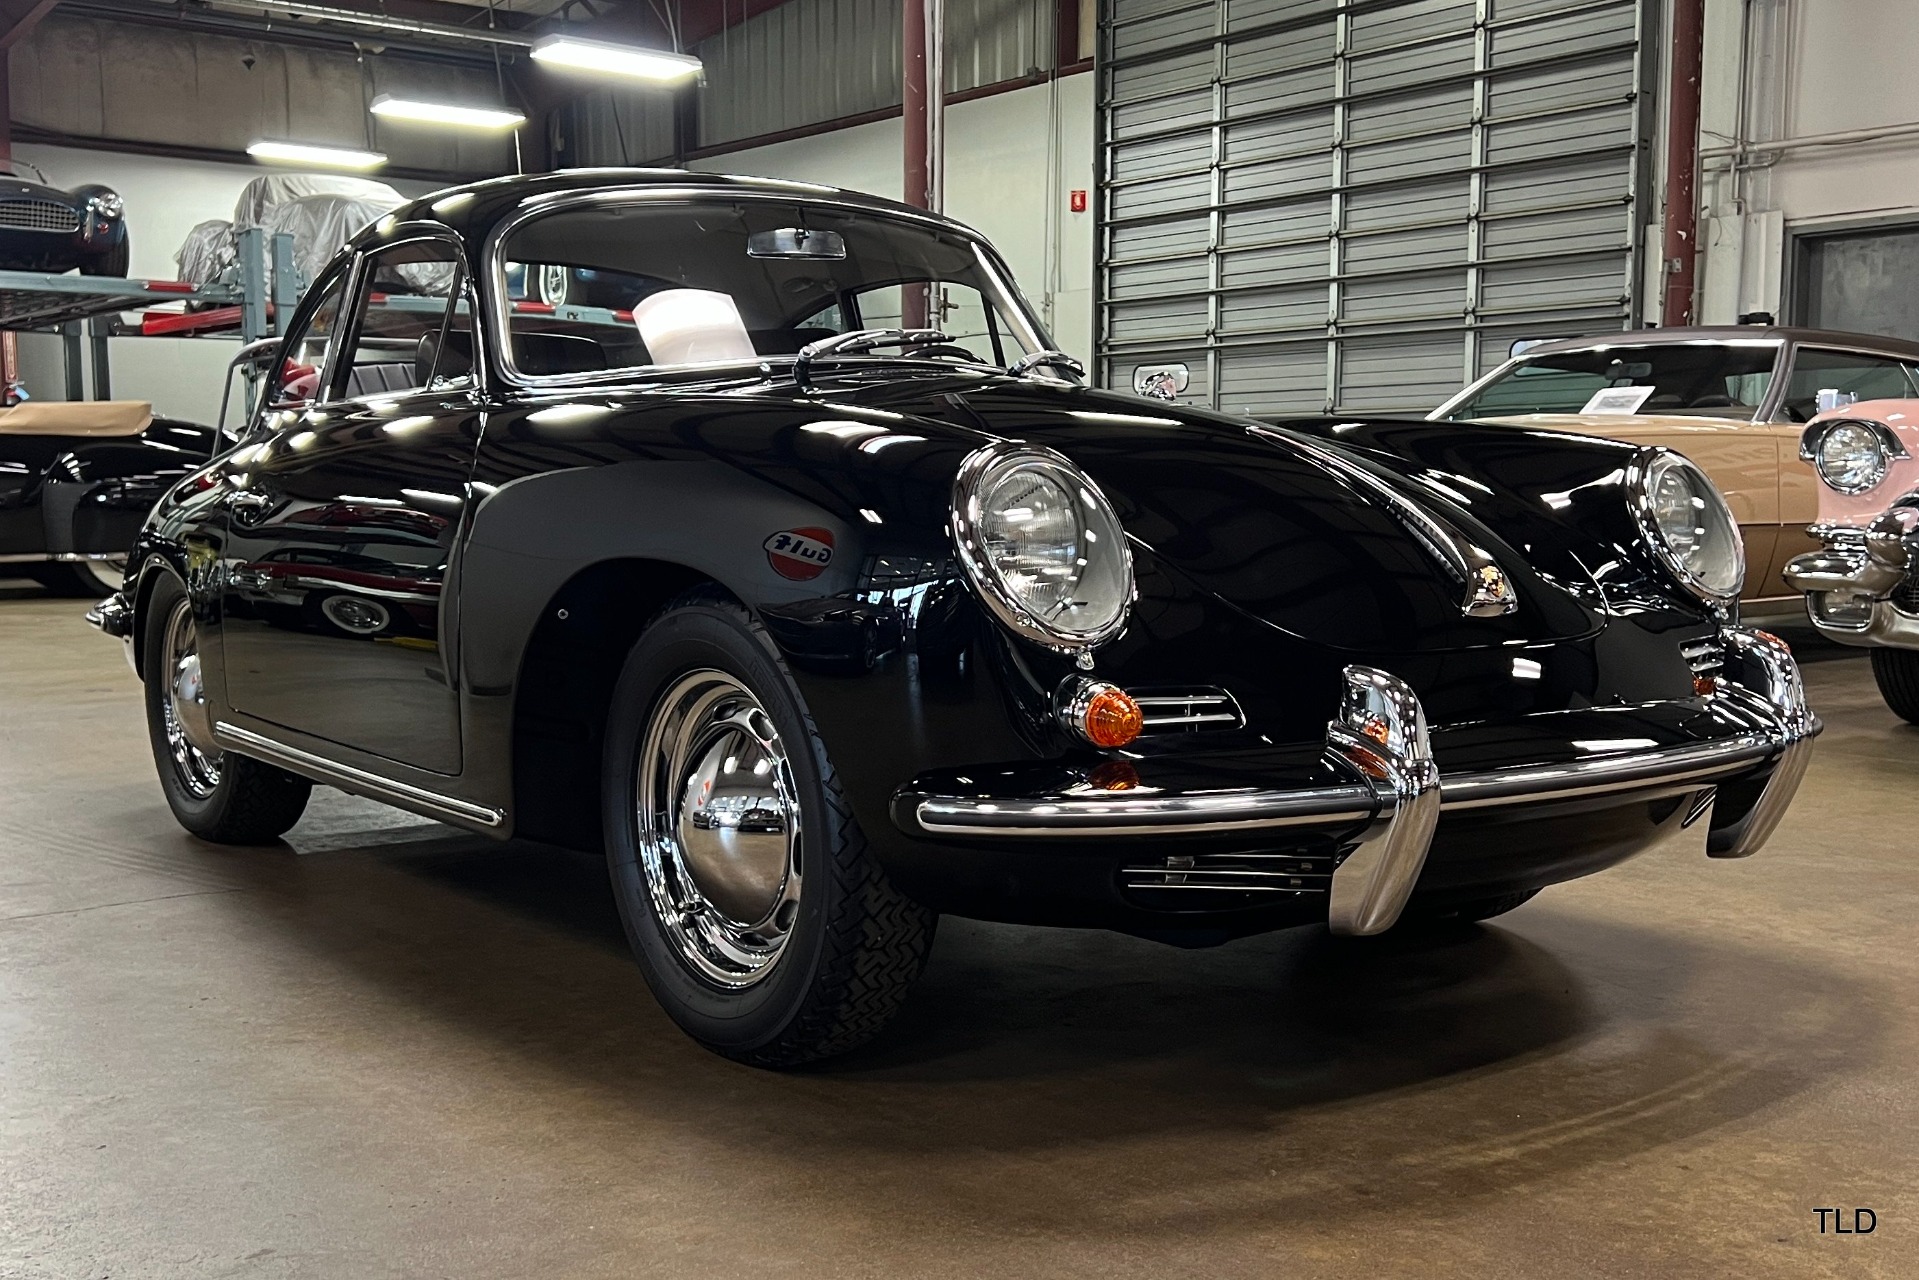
<point x="113" y="262"/>
<point x="855" y="944"/>
<point x="251" y="802"/>
<point x="1460" y="913"/>
<point x="1896" y="671"/>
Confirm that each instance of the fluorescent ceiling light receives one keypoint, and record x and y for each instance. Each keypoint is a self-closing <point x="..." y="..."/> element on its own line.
<point x="615" y="59"/>
<point x="324" y="157"/>
<point x="446" y="113"/>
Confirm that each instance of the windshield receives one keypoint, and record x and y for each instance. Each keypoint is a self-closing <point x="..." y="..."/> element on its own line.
<point x="674" y="283"/>
<point x="1714" y="380"/>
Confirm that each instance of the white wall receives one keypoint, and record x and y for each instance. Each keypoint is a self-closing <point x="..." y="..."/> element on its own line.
<point x="997" y="166"/>
<point x="1842" y="65"/>
<point x="165" y="199"/>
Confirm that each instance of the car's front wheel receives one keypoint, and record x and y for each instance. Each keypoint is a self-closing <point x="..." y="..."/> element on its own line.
<point x="776" y="940"/>
<point x="217" y="795"/>
<point x="1896" y="672"/>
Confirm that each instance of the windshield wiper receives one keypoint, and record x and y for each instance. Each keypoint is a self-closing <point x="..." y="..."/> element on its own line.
<point x="854" y="341"/>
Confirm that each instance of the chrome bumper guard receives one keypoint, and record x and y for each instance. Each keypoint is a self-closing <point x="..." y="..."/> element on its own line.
<point x="114" y="616"/>
<point x="1381" y="736"/>
<point x="1849" y="585"/>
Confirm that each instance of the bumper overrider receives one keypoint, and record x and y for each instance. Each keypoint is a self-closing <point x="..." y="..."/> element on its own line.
<point x="1856" y="586"/>
<point x="1351" y="822"/>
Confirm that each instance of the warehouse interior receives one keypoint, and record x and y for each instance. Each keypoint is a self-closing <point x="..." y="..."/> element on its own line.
<point x="385" y="1043"/>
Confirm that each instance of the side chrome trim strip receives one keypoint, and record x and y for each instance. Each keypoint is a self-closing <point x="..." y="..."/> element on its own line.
<point x="349" y="778"/>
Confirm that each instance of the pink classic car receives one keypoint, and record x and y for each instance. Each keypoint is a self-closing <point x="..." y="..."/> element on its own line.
<point x="1861" y="588"/>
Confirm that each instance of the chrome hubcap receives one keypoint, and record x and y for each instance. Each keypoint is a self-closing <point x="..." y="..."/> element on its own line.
<point x="554" y="283"/>
<point x="188" y="722"/>
<point x="719" y="827"/>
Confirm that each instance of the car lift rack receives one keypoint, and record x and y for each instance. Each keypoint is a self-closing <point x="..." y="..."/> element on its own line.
<point x="91" y="308"/>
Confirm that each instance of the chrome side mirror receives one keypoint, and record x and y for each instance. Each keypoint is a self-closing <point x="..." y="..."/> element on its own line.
<point x="1161" y="381"/>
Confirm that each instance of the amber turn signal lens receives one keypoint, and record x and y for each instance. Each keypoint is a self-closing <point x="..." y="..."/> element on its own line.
<point x="1112" y="719"/>
<point x="1705" y="686"/>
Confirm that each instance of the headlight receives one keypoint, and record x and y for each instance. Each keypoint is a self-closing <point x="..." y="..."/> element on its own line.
<point x="1688" y="523"/>
<point x="107" y="204"/>
<point x="1042" y="546"/>
<point x="1851" y="456"/>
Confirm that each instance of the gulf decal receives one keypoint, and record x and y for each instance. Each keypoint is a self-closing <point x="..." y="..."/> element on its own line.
<point x="800" y="554"/>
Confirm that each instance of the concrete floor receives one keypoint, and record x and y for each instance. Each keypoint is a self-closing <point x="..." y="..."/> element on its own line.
<point x="392" y="1050"/>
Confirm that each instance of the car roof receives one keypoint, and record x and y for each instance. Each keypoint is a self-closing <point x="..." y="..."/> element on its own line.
<point x="473" y="208"/>
<point x="1732" y="333"/>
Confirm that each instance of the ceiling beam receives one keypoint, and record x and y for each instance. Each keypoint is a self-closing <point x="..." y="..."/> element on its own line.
<point x="19" y="17"/>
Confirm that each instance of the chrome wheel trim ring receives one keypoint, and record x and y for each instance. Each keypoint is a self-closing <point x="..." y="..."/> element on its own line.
<point x="555" y="283"/>
<point x="197" y="770"/>
<point x="109" y="574"/>
<point x="718" y="819"/>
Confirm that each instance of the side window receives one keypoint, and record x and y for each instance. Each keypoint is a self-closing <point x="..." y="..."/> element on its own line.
<point x="1828" y="379"/>
<point x="413" y="323"/>
<point x="296" y="383"/>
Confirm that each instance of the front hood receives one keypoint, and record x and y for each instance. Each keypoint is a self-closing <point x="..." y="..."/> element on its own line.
<point x="12" y="188"/>
<point x="1259" y="517"/>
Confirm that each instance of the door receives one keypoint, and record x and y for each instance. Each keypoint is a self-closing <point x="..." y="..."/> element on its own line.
<point x="341" y="536"/>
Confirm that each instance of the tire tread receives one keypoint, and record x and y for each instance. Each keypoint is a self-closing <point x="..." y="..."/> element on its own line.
<point x="1896" y="672"/>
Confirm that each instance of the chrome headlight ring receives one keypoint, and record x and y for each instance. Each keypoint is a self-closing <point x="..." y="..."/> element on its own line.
<point x="1685" y="520"/>
<point x="1851" y="455"/>
<point x="1016" y="581"/>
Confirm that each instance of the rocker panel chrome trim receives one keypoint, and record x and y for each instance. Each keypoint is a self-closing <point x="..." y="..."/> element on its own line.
<point x="404" y="794"/>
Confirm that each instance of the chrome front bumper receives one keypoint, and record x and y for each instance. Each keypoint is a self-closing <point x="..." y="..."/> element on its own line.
<point x="1390" y="796"/>
<point x="1849" y="586"/>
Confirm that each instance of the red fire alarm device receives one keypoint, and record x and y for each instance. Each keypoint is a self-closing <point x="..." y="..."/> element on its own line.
<point x="1079" y="202"/>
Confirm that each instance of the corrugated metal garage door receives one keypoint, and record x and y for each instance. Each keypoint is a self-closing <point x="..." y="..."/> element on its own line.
<point x="1319" y="205"/>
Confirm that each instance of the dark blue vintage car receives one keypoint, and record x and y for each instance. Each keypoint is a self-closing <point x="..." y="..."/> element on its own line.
<point x="43" y="228"/>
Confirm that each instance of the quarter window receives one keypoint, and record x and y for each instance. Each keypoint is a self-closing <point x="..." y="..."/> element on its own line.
<point x="1824" y="378"/>
<point x="413" y="326"/>
<point x="305" y="352"/>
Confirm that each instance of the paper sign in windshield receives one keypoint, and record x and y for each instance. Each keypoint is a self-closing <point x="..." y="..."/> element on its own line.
<point x="1618" y="400"/>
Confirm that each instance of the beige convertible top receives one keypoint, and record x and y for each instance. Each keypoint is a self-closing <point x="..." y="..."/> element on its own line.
<point x="76" y="418"/>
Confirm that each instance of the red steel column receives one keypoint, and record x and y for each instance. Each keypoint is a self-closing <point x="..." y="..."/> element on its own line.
<point x="923" y="101"/>
<point x="1681" y="247"/>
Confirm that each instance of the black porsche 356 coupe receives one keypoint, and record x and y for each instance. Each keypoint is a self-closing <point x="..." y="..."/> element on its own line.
<point x="43" y="228"/>
<point x="817" y="592"/>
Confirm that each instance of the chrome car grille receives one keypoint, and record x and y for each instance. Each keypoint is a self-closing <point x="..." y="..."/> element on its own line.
<point x="38" y="215"/>
<point x="1905" y="596"/>
<point x="1224" y="881"/>
<point x="1704" y="655"/>
<point x="1187" y="710"/>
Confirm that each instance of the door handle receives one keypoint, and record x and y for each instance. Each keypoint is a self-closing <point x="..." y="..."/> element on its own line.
<point x="247" y="500"/>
